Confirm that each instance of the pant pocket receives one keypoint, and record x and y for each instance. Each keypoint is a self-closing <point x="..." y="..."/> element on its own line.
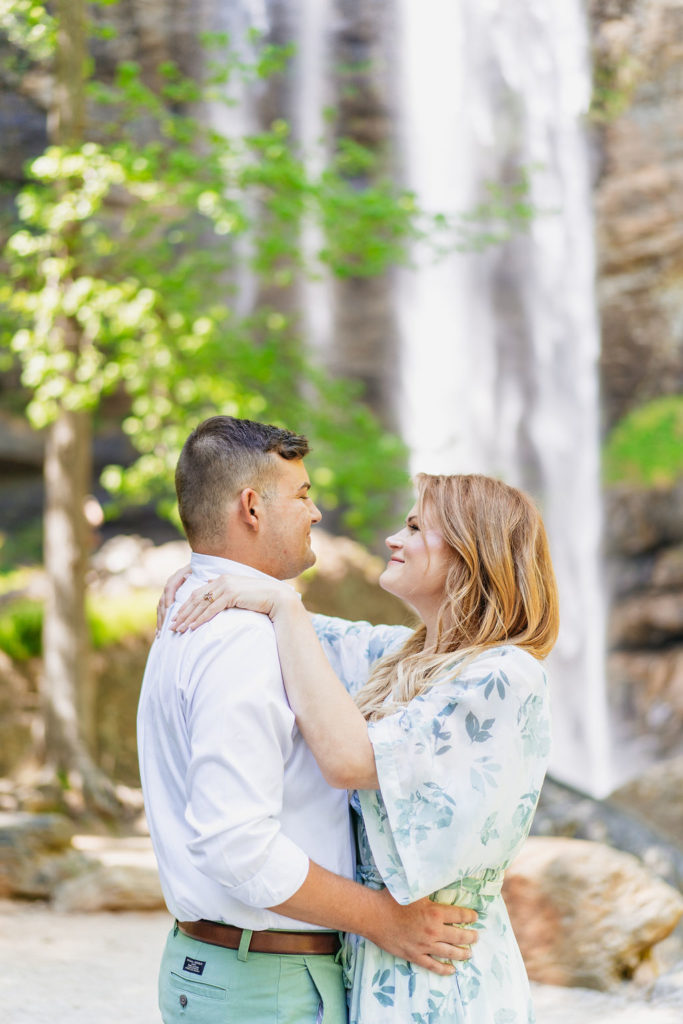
<point x="191" y="1001"/>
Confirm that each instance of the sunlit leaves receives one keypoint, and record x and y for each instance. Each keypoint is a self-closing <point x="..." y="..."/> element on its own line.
<point x="29" y="27"/>
<point x="125" y="271"/>
<point x="646" y="446"/>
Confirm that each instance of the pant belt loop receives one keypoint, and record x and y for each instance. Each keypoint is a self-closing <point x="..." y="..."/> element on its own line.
<point x="243" y="949"/>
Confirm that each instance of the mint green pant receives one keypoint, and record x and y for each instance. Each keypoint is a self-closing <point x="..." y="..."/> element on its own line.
<point x="204" y="984"/>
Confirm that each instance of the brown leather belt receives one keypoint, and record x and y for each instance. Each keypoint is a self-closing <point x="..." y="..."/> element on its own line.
<point x="292" y="943"/>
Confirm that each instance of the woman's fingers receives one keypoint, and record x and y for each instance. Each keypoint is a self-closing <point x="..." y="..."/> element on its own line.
<point x="452" y="952"/>
<point x="256" y="595"/>
<point x="201" y="606"/>
<point x="460" y="915"/>
<point x="462" y="936"/>
<point x="169" y="592"/>
<point x="435" y="966"/>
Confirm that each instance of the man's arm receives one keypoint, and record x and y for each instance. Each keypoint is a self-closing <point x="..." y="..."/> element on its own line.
<point x="417" y="932"/>
<point x="240" y="732"/>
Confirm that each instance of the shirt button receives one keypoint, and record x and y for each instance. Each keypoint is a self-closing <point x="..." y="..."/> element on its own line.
<point x="183" y="1001"/>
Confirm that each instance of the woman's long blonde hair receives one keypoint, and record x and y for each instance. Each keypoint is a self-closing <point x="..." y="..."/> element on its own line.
<point x="500" y="587"/>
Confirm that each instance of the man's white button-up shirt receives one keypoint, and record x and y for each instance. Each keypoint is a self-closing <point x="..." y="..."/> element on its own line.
<point x="235" y="802"/>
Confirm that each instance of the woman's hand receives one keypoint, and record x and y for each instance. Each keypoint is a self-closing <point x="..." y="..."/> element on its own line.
<point x="169" y="592"/>
<point x="256" y="595"/>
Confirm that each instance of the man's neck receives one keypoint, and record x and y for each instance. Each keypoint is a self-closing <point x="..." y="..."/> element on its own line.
<point x="238" y="557"/>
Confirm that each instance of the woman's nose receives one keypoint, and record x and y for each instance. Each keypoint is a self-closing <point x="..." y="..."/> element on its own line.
<point x="393" y="542"/>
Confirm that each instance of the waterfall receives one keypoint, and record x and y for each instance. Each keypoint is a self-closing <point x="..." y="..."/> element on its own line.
<point x="500" y="348"/>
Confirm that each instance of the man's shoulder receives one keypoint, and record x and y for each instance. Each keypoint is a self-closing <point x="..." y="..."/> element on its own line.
<point x="238" y="622"/>
<point x="233" y="640"/>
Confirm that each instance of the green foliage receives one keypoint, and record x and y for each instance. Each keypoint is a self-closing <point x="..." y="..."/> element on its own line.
<point x="124" y="276"/>
<point x="115" y="618"/>
<point x="505" y="211"/>
<point x="30" y="28"/>
<point x="136" y="249"/>
<point x="21" y="623"/>
<point x="13" y="579"/>
<point x="112" y="619"/>
<point x="22" y="545"/>
<point x="646" y="446"/>
<point x="615" y="80"/>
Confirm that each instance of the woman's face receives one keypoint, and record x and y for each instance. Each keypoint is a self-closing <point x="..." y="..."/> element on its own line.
<point x="419" y="563"/>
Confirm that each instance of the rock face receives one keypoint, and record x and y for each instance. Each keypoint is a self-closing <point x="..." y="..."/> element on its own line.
<point x="638" y="49"/>
<point x="645" y="665"/>
<point x="638" y="108"/>
<point x="584" y="914"/>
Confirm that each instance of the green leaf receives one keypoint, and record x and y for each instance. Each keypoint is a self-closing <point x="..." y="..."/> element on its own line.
<point x="646" y="446"/>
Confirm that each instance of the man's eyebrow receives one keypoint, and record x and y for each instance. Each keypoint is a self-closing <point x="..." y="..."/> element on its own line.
<point x="306" y="486"/>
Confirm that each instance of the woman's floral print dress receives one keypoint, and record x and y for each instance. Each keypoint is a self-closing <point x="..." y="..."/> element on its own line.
<point x="460" y="771"/>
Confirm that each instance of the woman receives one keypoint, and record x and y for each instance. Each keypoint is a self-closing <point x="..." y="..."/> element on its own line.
<point x="446" y="745"/>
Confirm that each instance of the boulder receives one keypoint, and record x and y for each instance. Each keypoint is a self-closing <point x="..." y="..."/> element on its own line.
<point x="655" y="797"/>
<point x="565" y="812"/>
<point x="118" y="874"/>
<point x="584" y="914"/>
<point x="35" y="853"/>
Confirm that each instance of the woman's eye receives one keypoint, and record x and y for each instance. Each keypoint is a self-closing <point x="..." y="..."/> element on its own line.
<point x="413" y="527"/>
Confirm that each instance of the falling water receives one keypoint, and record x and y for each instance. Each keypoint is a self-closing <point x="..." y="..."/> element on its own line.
<point x="500" y="348"/>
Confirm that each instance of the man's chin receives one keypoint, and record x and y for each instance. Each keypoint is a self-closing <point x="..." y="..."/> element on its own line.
<point x="310" y="560"/>
<point x="307" y="561"/>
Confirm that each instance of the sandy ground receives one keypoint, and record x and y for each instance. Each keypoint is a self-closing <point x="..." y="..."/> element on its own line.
<point x="101" y="969"/>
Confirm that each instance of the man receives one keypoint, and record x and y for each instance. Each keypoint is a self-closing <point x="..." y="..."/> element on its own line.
<point x="253" y="846"/>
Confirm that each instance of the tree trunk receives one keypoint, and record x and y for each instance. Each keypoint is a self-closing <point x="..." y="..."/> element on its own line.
<point x="67" y="700"/>
<point x="67" y="689"/>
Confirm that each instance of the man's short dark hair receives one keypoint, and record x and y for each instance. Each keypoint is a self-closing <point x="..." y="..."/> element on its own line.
<point x="221" y="457"/>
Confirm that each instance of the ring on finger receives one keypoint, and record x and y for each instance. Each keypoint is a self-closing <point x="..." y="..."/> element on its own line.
<point x="208" y="596"/>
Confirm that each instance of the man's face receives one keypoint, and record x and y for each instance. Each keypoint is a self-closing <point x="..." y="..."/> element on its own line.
<point x="287" y="517"/>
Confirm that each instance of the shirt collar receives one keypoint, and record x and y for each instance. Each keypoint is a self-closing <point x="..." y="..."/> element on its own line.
<point x="209" y="566"/>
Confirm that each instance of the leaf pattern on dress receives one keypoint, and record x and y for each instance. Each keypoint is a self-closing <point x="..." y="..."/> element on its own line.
<point x="460" y="770"/>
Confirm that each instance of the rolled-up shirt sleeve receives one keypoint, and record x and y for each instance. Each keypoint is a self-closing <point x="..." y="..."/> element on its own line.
<point x="240" y="731"/>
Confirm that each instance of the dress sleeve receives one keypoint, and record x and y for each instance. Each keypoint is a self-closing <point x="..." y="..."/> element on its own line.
<point x="460" y="770"/>
<point x="352" y="648"/>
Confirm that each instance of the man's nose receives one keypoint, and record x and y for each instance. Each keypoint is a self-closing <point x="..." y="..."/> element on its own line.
<point x="316" y="514"/>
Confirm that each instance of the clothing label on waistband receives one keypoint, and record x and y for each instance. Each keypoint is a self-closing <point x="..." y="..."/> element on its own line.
<point x="193" y="966"/>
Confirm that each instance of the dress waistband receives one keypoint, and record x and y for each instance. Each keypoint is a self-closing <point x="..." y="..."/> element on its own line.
<point x="480" y="888"/>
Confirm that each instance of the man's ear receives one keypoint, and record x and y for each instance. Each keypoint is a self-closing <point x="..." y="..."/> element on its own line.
<point x="250" y="508"/>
